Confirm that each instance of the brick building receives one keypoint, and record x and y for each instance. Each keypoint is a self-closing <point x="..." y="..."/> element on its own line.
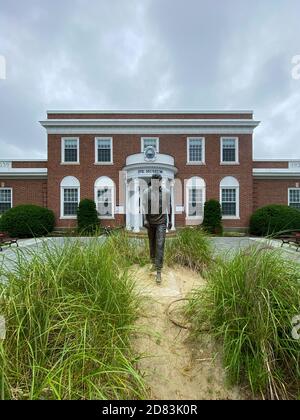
<point x="106" y="156"/>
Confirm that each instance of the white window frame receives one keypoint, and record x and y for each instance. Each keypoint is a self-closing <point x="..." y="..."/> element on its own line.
<point x="111" y="149"/>
<point x="231" y="183"/>
<point x="66" y="184"/>
<point x="63" y="140"/>
<point x="289" y="190"/>
<point x="109" y="184"/>
<point x="147" y="138"/>
<point x="193" y="162"/>
<point x="194" y="183"/>
<point x="236" y="161"/>
<point x="11" y="195"/>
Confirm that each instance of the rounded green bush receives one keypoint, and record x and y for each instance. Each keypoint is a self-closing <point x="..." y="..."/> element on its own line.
<point x="212" y="222"/>
<point x="27" y="221"/>
<point x="273" y="219"/>
<point x="87" y="216"/>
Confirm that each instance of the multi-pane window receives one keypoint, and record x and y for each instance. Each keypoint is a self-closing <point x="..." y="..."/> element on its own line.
<point x="70" y="150"/>
<point x="5" y="199"/>
<point x="150" y="141"/>
<point x="105" y="202"/>
<point x="229" y="150"/>
<point x="294" y="198"/>
<point x="195" y="150"/>
<point x="229" y="201"/>
<point x="104" y="150"/>
<point x="70" y="204"/>
<point x="195" y="202"/>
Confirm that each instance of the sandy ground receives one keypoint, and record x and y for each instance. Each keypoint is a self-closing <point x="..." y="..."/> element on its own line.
<point x="175" y="366"/>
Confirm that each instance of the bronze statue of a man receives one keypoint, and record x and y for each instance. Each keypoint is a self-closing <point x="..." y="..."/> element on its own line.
<point x="156" y="204"/>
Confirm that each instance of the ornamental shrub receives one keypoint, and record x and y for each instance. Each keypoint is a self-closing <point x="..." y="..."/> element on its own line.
<point x="27" y="221"/>
<point x="87" y="217"/>
<point x="212" y="222"/>
<point x="274" y="219"/>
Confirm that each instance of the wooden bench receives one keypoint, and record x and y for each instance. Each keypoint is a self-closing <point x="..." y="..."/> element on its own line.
<point x="5" y="239"/>
<point x="292" y="238"/>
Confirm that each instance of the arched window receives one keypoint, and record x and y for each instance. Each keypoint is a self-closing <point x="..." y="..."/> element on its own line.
<point x="195" y="198"/>
<point x="230" y="197"/>
<point x="69" y="197"/>
<point x="105" y="197"/>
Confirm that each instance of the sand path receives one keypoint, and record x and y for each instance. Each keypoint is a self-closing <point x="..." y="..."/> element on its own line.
<point x="175" y="366"/>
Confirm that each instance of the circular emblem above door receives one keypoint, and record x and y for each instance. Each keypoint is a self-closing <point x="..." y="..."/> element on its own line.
<point x="150" y="154"/>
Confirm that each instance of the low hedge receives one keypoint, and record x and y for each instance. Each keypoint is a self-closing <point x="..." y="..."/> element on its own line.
<point x="27" y="221"/>
<point x="273" y="219"/>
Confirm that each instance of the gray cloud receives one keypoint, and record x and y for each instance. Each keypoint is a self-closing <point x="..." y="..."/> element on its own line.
<point x="149" y="54"/>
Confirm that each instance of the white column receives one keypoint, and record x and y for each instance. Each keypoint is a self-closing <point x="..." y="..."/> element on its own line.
<point x="173" y="205"/>
<point x="135" y="210"/>
<point x="128" y="225"/>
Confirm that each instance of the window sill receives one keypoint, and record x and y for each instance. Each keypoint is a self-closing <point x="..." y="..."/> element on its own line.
<point x="229" y="163"/>
<point x="106" y="218"/>
<point x="70" y="163"/>
<point x="68" y="217"/>
<point x="103" y="163"/>
<point x="196" y="163"/>
<point x="231" y="218"/>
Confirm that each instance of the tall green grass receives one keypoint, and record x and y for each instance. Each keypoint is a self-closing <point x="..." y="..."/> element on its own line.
<point x="69" y="314"/>
<point x="129" y="250"/>
<point x="190" y="248"/>
<point x="249" y="303"/>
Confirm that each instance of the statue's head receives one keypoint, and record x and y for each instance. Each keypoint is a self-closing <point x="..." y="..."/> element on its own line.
<point x="155" y="181"/>
<point x="157" y="177"/>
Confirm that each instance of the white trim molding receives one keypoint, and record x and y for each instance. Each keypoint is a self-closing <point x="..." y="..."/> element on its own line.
<point x="34" y="173"/>
<point x="292" y="189"/>
<point x="11" y="195"/>
<point x="149" y="138"/>
<point x="69" y="182"/>
<point x="231" y="183"/>
<point x="150" y="126"/>
<point x="192" y="162"/>
<point x="111" y="151"/>
<point x="237" y="157"/>
<point x="154" y="111"/>
<point x="63" y="148"/>
<point x="198" y="183"/>
<point x="102" y="183"/>
<point x="276" y="173"/>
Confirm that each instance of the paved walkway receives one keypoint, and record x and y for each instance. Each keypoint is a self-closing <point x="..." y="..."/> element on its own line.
<point x="228" y="246"/>
<point x="27" y="247"/>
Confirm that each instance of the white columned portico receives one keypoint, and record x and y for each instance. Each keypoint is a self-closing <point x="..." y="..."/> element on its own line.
<point x="139" y="170"/>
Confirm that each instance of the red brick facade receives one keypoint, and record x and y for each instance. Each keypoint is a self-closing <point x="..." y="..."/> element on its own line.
<point x="270" y="191"/>
<point x="27" y="191"/>
<point x="45" y="190"/>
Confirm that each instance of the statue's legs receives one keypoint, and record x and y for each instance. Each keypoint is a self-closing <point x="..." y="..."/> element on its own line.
<point x="157" y="236"/>
<point x="152" y="242"/>
<point x="160" y="246"/>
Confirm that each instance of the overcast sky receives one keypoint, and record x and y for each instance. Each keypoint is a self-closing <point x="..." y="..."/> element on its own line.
<point x="149" y="54"/>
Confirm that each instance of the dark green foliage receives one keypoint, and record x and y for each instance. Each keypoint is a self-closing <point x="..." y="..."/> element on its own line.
<point x="273" y="219"/>
<point x="87" y="216"/>
<point x="27" y="221"/>
<point x="212" y="221"/>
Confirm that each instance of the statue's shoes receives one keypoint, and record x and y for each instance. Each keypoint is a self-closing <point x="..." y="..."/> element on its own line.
<point x="158" y="278"/>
